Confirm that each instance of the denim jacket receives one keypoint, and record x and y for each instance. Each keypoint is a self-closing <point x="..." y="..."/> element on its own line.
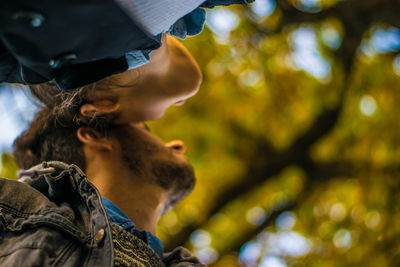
<point x="53" y="216"/>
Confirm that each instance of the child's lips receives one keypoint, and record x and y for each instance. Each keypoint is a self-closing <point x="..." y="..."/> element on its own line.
<point x="180" y="103"/>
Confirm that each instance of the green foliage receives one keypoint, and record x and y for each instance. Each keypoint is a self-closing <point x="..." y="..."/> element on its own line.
<point x="281" y="153"/>
<point x="9" y="166"/>
<point x="267" y="137"/>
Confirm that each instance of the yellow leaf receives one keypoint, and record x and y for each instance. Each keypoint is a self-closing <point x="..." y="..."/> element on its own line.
<point x="9" y="166"/>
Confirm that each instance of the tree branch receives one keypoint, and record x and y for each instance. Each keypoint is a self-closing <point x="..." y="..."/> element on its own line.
<point x="316" y="173"/>
<point x="264" y="168"/>
<point x="265" y="163"/>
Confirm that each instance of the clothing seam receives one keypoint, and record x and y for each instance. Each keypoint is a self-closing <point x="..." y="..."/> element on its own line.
<point x="53" y="224"/>
<point x="29" y="248"/>
<point x="22" y="214"/>
<point x="63" y="253"/>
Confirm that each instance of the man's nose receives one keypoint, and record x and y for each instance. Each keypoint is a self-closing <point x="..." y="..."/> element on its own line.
<point x="177" y="146"/>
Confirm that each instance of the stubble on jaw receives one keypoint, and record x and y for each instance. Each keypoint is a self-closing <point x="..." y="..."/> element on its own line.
<point x="176" y="178"/>
<point x="179" y="180"/>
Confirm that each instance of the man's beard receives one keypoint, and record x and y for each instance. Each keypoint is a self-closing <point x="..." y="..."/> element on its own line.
<point x="176" y="178"/>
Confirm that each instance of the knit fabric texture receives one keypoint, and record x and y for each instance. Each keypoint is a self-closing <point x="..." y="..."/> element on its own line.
<point x="129" y="250"/>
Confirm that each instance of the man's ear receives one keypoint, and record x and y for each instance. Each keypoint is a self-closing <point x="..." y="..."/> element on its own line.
<point x="94" y="139"/>
<point x="99" y="107"/>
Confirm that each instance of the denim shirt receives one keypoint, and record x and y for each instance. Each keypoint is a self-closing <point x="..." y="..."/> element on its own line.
<point x="119" y="218"/>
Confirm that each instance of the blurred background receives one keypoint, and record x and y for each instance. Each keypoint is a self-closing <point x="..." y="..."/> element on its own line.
<point x="294" y="136"/>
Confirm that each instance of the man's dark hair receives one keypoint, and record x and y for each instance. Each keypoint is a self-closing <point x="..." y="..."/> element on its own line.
<point x="51" y="138"/>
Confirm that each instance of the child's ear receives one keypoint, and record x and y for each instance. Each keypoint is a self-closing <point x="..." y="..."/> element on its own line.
<point x="99" y="107"/>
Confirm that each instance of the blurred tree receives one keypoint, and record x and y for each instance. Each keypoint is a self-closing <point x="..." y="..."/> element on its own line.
<point x="9" y="167"/>
<point x="294" y="136"/>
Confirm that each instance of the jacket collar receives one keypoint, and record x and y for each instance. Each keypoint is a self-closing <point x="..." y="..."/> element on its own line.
<point x="48" y="194"/>
<point x="54" y="179"/>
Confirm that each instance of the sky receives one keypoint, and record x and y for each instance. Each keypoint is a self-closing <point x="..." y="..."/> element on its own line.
<point x="16" y="111"/>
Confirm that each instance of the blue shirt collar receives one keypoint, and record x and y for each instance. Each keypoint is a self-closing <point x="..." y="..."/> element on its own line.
<point x="119" y="218"/>
<point x="116" y="215"/>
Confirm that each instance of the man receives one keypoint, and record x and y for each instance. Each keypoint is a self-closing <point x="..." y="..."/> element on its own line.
<point x="55" y="216"/>
<point x="78" y="42"/>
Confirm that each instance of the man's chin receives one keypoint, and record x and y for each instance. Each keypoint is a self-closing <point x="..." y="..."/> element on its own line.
<point x="178" y="179"/>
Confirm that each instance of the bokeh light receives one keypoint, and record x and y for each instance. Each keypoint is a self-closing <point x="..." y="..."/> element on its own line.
<point x="338" y="212"/>
<point x="222" y="21"/>
<point x="263" y="8"/>
<point x="279" y="244"/>
<point x="330" y="36"/>
<point x="311" y="6"/>
<point x="256" y="216"/>
<point x="250" y="252"/>
<point x="200" y="239"/>
<point x="306" y="55"/>
<point x="250" y="78"/>
<point x="271" y="261"/>
<point x="372" y="219"/>
<point x="342" y="239"/>
<point x="367" y="105"/>
<point x="386" y="40"/>
<point x="381" y="41"/>
<point x="207" y="255"/>
<point x="286" y="221"/>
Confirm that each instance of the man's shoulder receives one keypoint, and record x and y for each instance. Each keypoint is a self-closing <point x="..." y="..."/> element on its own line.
<point x="21" y="197"/>
<point x="41" y="188"/>
<point x="22" y="207"/>
<point x="46" y="221"/>
<point x="45" y="195"/>
<point x="29" y="230"/>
